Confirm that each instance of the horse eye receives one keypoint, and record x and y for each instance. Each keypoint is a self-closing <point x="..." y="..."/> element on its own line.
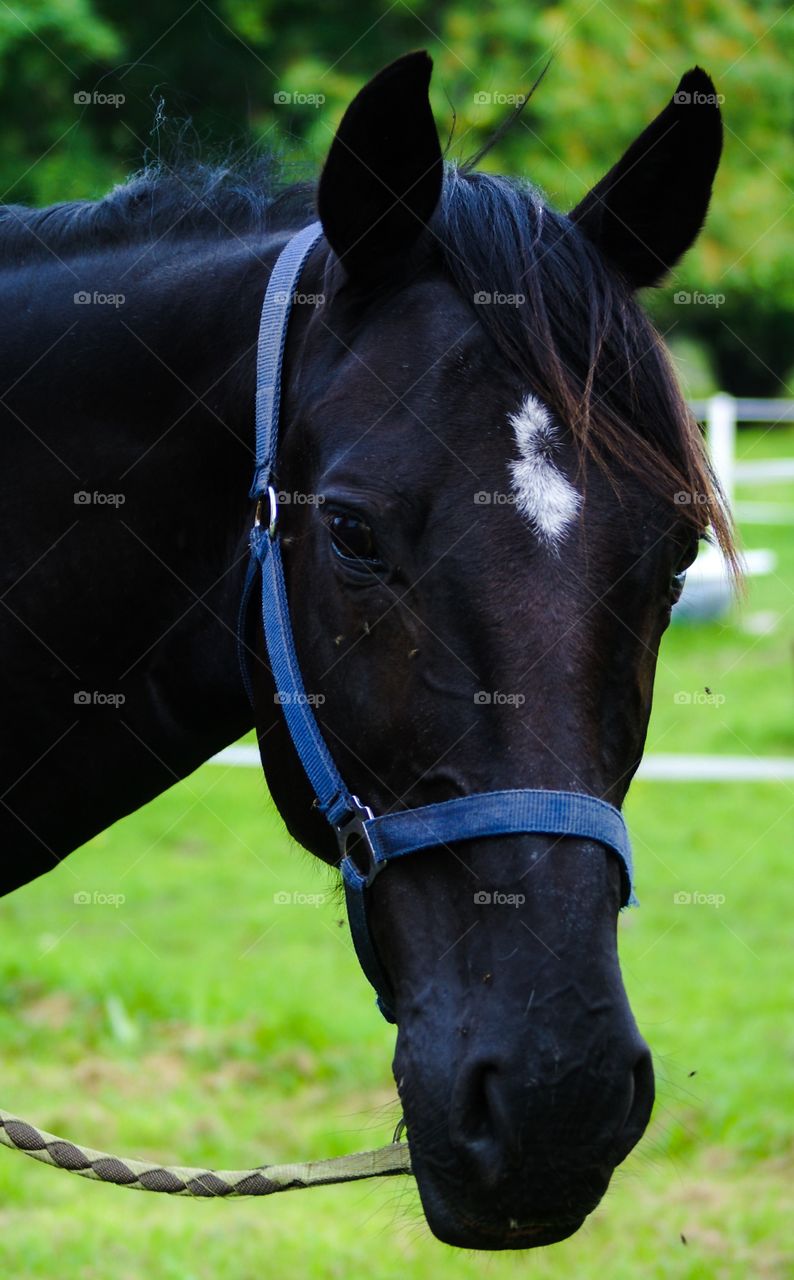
<point x="685" y="561"/>
<point x="352" y="538"/>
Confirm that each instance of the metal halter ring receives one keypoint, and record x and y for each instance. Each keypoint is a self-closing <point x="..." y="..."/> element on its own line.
<point x="351" y="834"/>
<point x="272" y="500"/>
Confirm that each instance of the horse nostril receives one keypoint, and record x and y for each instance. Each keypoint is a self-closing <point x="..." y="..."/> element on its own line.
<point x="479" y="1121"/>
<point x="640" y="1105"/>
<point x="489" y="1125"/>
<point x="469" y="1101"/>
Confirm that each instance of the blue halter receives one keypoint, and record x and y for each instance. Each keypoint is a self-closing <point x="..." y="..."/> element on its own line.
<point x="367" y="843"/>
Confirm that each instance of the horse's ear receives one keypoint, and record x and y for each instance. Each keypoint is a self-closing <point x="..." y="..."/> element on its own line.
<point x="382" y="179"/>
<point x="647" y="211"/>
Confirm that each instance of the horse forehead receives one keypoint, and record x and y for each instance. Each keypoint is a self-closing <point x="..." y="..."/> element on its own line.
<point x="429" y="322"/>
<point x="543" y="494"/>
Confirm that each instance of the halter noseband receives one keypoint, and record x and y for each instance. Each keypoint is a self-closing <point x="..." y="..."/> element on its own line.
<point x="367" y="843"/>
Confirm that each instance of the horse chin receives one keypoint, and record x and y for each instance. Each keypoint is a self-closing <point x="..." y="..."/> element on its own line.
<point x="462" y="1231"/>
<point x="473" y="1235"/>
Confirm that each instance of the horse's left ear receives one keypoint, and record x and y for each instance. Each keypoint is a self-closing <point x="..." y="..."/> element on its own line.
<point x="647" y="211"/>
<point x="382" y="179"/>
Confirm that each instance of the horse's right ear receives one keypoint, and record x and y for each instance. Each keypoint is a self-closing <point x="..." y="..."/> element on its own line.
<point x="382" y="179"/>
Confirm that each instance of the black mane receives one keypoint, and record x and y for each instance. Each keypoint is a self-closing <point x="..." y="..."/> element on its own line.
<point x="162" y="203"/>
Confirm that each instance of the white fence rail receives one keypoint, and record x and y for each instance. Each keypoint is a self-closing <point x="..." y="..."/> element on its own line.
<point x="654" y="768"/>
<point x="721" y="414"/>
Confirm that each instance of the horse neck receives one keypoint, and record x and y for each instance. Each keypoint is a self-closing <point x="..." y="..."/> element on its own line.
<point x="146" y="406"/>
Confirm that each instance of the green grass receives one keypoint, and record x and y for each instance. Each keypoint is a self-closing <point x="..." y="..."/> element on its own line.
<point x="202" y="1021"/>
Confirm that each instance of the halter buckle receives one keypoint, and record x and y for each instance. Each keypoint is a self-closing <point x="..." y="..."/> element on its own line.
<point x="272" y="502"/>
<point x="354" y="841"/>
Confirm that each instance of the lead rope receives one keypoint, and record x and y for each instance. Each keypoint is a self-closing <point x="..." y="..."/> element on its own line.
<point x="141" y="1175"/>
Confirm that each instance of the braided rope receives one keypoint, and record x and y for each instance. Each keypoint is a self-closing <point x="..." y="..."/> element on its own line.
<point x="139" y="1175"/>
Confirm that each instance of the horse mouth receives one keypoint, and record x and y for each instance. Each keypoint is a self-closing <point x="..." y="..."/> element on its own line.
<point x="469" y="1233"/>
<point x="457" y="1219"/>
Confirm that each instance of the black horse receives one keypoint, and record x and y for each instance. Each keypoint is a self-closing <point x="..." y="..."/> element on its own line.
<point x="495" y="488"/>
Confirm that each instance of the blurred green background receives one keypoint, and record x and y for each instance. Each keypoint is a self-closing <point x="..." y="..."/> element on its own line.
<point x="207" y="76"/>
<point x="204" y="1021"/>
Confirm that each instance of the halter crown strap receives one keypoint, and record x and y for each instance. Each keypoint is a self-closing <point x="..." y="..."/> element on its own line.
<point x="276" y="308"/>
<point x="367" y="843"/>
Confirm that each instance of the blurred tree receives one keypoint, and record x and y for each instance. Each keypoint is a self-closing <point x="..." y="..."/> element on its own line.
<point x="234" y="73"/>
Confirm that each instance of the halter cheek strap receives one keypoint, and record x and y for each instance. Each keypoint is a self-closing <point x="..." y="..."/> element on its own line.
<point x="367" y="844"/>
